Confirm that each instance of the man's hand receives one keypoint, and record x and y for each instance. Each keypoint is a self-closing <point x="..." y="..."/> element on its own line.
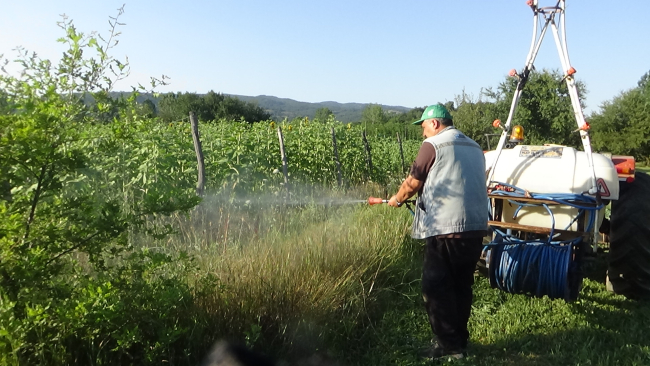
<point x="393" y="202"/>
<point x="409" y="187"/>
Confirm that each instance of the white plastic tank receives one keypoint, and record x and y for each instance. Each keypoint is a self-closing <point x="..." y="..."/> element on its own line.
<point x="551" y="169"/>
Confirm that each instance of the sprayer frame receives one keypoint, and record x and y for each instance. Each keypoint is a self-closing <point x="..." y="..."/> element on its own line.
<point x="549" y="15"/>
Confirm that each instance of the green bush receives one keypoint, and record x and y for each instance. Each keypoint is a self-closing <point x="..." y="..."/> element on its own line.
<point x="69" y="278"/>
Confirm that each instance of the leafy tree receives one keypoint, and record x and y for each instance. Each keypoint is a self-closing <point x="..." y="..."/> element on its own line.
<point x="232" y="108"/>
<point x="252" y="112"/>
<point x="407" y="117"/>
<point x="474" y="118"/>
<point x="148" y="108"/>
<point x="623" y="125"/>
<point x="544" y="110"/>
<point x="177" y="106"/>
<point x="397" y="123"/>
<point x="209" y="107"/>
<point x="4" y="103"/>
<point x="323" y="114"/>
<point x="644" y="81"/>
<point x="64" y="197"/>
<point x="373" y="114"/>
<point x="451" y="107"/>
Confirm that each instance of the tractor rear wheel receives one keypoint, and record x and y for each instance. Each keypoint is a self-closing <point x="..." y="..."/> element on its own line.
<point x="629" y="256"/>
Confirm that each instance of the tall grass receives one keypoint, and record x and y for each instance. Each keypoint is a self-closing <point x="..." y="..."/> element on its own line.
<point x="291" y="278"/>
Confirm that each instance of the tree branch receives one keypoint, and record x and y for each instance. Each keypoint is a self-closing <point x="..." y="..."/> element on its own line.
<point x="35" y="200"/>
<point x="77" y="246"/>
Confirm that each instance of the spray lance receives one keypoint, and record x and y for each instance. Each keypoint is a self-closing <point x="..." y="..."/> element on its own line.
<point x="377" y="200"/>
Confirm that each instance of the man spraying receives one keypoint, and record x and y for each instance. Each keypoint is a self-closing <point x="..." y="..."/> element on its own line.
<point x="451" y="214"/>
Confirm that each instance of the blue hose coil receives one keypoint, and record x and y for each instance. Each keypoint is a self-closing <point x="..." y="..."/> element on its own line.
<point x="535" y="267"/>
<point x="538" y="267"/>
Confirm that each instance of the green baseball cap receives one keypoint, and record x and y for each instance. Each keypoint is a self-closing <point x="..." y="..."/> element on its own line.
<point x="434" y="111"/>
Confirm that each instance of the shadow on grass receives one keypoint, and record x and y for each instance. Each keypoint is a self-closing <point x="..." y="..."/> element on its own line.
<point x="608" y="337"/>
<point x="599" y="328"/>
<point x="595" y="267"/>
<point x="604" y="329"/>
<point x="612" y="332"/>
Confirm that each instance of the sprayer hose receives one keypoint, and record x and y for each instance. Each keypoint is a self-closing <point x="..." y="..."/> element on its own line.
<point x="580" y="201"/>
<point x="537" y="268"/>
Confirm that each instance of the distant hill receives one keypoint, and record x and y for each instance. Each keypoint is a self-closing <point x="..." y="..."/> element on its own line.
<point x="281" y="108"/>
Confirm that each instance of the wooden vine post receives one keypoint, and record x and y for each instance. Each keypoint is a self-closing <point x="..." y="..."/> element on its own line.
<point x="368" y="155"/>
<point x="200" y="185"/>
<point x="401" y="153"/>
<point x="284" y="157"/>
<point x="336" y="158"/>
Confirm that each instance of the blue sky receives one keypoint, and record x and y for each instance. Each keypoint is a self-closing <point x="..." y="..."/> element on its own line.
<point x="407" y="53"/>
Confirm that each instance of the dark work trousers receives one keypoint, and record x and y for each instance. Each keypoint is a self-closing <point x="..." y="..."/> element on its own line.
<point x="447" y="279"/>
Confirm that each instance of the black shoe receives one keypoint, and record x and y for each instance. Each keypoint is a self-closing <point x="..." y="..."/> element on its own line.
<point x="438" y="353"/>
<point x="463" y="347"/>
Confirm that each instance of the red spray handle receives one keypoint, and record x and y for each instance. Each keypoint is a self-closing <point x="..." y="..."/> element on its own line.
<point x="376" y="200"/>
